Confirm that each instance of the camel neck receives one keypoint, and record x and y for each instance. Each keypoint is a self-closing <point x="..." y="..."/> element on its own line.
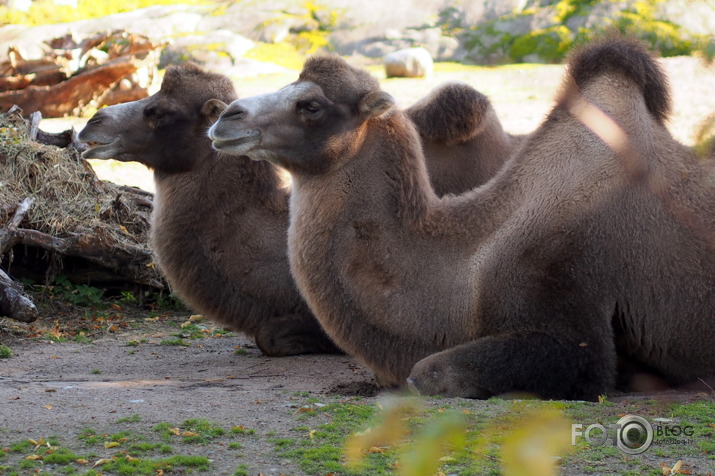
<point x="468" y="217"/>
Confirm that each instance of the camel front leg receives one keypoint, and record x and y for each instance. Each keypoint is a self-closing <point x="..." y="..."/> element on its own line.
<point x="292" y="335"/>
<point x="528" y="363"/>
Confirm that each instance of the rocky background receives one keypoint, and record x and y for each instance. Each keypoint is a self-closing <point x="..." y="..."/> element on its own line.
<point x="250" y="37"/>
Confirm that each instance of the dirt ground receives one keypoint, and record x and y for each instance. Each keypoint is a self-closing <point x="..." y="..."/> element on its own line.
<point x="61" y="388"/>
<point x="51" y="388"/>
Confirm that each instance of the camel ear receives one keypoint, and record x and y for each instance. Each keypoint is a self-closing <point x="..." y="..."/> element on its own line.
<point x="376" y="103"/>
<point x="212" y="108"/>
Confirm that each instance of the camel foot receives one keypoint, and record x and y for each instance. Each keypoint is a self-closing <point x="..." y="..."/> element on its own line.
<point x="293" y="335"/>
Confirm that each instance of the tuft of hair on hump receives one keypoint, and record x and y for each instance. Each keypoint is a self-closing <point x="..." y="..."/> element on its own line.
<point x="628" y="57"/>
<point x="191" y="77"/>
<point x="339" y="81"/>
<point x="453" y="113"/>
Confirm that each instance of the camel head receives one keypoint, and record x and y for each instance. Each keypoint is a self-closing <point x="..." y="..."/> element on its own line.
<point x="312" y="125"/>
<point x="166" y="131"/>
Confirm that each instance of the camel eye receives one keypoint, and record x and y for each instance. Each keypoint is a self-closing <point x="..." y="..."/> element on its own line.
<point x="310" y="107"/>
<point x="158" y="117"/>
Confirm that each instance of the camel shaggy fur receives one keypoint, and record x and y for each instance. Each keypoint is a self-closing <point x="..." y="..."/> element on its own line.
<point x="462" y="138"/>
<point x="219" y="224"/>
<point x="594" y="240"/>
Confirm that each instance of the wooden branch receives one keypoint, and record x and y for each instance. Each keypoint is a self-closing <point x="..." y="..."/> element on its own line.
<point x="7" y="239"/>
<point x="35" y="119"/>
<point x="13" y="301"/>
<point x="66" y="97"/>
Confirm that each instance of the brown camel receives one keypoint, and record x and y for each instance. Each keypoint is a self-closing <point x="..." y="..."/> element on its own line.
<point x="219" y="224"/>
<point x="596" y="237"/>
<point x="223" y="249"/>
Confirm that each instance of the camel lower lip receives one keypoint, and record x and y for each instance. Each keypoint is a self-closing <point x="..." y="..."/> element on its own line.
<point x="238" y="145"/>
<point x="99" y="150"/>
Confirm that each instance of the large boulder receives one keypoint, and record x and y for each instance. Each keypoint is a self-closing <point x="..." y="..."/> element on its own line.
<point x="408" y="63"/>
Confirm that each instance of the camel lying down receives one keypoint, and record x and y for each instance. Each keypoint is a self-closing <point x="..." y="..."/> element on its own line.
<point x="219" y="223"/>
<point x="595" y="240"/>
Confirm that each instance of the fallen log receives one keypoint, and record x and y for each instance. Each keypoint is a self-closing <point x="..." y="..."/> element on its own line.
<point x="13" y="301"/>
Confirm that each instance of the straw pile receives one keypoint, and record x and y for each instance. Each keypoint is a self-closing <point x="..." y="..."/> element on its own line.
<point x="71" y="212"/>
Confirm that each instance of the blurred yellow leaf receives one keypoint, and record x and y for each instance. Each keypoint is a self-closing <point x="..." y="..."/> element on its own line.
<point x="102" y="461"/>
<point x="196" y="317"/>
<point x="530" y="447"/>
<point x="81" y="461"/>
<point x="189" y="433"/>
<point x="429" y="447"/>
<point x="49" y="407"/>
<point x="111" y="444"/>
<point x="390" y="431"/>
<point x="668" y="471"/>
<point x="129" y="458"/>
<point x="33" y="457"/>
<point x="175" y="431"/>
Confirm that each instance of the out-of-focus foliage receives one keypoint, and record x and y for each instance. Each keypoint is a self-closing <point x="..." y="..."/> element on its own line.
<point x="531" y="439"/>
<point x="551" y="40"/>
<point x="44" y="12"/>
<point x="312" y="26"/>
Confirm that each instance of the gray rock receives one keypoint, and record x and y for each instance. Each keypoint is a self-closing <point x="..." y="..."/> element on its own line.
<point x="215" y="50"/>
<point x="408" y="63"/>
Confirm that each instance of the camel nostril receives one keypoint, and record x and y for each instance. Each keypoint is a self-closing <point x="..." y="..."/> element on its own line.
<point x="232" y="112"/>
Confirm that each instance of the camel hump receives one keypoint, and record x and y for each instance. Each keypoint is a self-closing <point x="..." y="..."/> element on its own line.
<point x="452" y="113"/>
<point x="628" y="58"/>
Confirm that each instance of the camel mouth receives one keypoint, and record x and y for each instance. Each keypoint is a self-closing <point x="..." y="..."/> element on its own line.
<point x="100" y="150"/>
<point x="238" y="145"/>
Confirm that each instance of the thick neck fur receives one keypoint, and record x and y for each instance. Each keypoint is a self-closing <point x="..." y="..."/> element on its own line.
<point x="369" y="228"/>
<point x="219" y="234"/>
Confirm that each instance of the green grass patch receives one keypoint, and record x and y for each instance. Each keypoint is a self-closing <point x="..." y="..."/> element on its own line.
<point x="242" y="470"/>
<point x="194" y="431"/>
<point x="152" y="466"/>
<point x="136" y="418"/>
<point x="175" y="342"/>
<point x="241" y="430"/>
<point x="5" y="352"/>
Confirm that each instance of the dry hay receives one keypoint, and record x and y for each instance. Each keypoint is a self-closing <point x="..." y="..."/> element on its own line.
<point x="70" y="202"/>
